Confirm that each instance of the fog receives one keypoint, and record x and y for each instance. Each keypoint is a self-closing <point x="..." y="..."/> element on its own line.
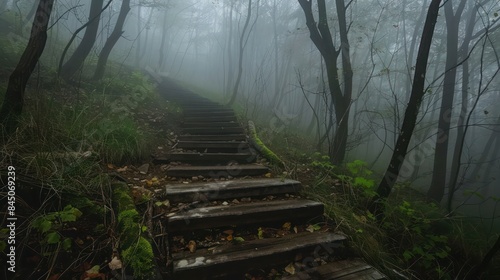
<point x="284" y="84"/>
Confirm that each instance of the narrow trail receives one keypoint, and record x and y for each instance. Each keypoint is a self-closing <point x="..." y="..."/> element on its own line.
<point x="239" y="222"/>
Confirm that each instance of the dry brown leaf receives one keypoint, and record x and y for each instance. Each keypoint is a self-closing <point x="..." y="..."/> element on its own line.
<point x="287" y="226"/>
<point x="295" y="229"/>
<point x="268" y="175"/>
<point x="192" y="246"/>
<point x="228" y="231"/>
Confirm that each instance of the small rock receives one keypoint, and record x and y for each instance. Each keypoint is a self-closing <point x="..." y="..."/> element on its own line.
<point x="229" y="177"/>
<point x="246" y="199"/>
<point x="235" y="201"/>
<point x="200" y="177"/>
<point x="225" y="203"/>
<point x="143" y="169"/>
<point x="164" y="167"/>
<point x="194" y="179"/>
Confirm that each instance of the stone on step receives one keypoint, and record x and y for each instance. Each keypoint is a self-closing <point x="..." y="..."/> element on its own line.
<point x="245" y="214"/>
<point x="354" y="269"/>
<point x="236" y="259"/>
<point x="220" y="190"/>
<point x="217" y="171"/>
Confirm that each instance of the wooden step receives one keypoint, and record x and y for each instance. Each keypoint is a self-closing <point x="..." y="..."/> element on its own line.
<point x="213" y="130"/>
<point x="214" y="146"/>
<point x="217" y="171"/>
<point x="244" y="214"/>
<point x="210" y="114"/>
<point x="236" y="259"/>
<point x="208" y="119"/>
<point x="205" y="109"/>
<point x="221" y="190"/>
<point x="209" y="124"/>
<point x="203" y="158"/>
<point x="340" y="270"/>
<point x="225" y="137"/>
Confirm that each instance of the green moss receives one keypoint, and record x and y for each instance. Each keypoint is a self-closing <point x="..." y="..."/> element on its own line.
<point x="137" y="252"/>
<point x="140" y="258"/>
<point x="265" y="151"/>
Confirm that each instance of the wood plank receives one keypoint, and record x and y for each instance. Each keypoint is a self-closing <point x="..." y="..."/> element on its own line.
<point x="208" y="119"/>
<point x="217" y="171"/>
<point x="233" y="259"/>
<point x="225" y="137"/>
<point x="207" y="114"/>
<point x="203" y="158"/>
<point x="244" y="214"/>
<point x="189" y="124"/>
<point x="220" y="190"/>
<point x="213" y="130"/>
<point x="339" y="270"/>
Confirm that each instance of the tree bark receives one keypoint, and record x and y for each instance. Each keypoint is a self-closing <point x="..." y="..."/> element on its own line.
<point x="240" y="59"/>
<point x="82" y="51"/>
<point x="322" y="39"/>
<point x="411" y="113"/>
<point x="438" y="184"/>
<point x="14" y="97"/>
<point x="111" y="41"/>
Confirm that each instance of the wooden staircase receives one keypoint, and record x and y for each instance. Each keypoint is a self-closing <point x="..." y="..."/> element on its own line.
<point x="229" y="193"/>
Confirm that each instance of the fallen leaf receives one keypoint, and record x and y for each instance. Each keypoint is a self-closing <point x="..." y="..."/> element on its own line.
<point x="295" y="229"/>
<point x="192" y="246"/>
<point x="238" y="239"/>
<point x="115" y="263"/>
<point x="287" y="226"/>
<point x="290" y="269"/>
<point x="122" y="169"/>
<point x="268" y="175"/>
<point x="260" y="233"/>
<point x="228" y="231"/>
<point x="110" y="166"/>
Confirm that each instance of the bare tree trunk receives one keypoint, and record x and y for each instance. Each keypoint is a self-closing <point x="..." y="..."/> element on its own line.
<point x="242" y="45"/>
<point x="111" y="41"/>
<point x="411" y="113"/>
<point x="341" y="97"/>
<point x="438" y="184"/>
<point x="14" y="97"/>
<point x="82" y="51"/>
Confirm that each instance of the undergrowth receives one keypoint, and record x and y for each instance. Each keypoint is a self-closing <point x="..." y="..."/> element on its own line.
<point x="416" y="240"/>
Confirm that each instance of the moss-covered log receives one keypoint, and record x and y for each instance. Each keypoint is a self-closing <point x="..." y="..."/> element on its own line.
<point x="263" y="150"/>
<point x="136" y="251"/>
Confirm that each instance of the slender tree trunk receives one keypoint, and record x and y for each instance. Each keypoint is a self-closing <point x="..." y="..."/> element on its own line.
<point x="411" y="113"/>
<point x="163" y="51"/>
<point x="460" y="139"/>
<point x="230" y="44"/>
<point x="438" y="184"/>
<point x="341" y="97"/>
<point x="82" y="51"/>
<point x="476" y="272"/>
<point x="240" y="59"/>
<point x="111" y="41"/>
<point x="14" y="97"/>
<point x="139" y="31"/>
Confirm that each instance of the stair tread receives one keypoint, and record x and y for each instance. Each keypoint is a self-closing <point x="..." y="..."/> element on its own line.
<point x="216" y="171"/>
<point x="244" y="214"/>
<point x="339" y="270"/>
<point x="203" y="191"/>
<point x="237" y="258"/>
<point x="210" y="137"/>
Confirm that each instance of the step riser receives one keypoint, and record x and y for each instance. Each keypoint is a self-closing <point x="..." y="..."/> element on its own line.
<point x="210" y="119"/>
<point x="229" y="190"/>
<point x="213" y="131"/>
<point x="216" y="217"/>
<point x="243" y="146"/>
<point x="201" y="159"/>
<point x="210" y="124"/>
<point x="234" y="137"/>
<point x="216" y="172"/>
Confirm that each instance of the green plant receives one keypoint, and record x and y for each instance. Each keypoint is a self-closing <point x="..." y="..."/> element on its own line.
<point x="50" y="224"/>
<point x="416" y="236"/>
